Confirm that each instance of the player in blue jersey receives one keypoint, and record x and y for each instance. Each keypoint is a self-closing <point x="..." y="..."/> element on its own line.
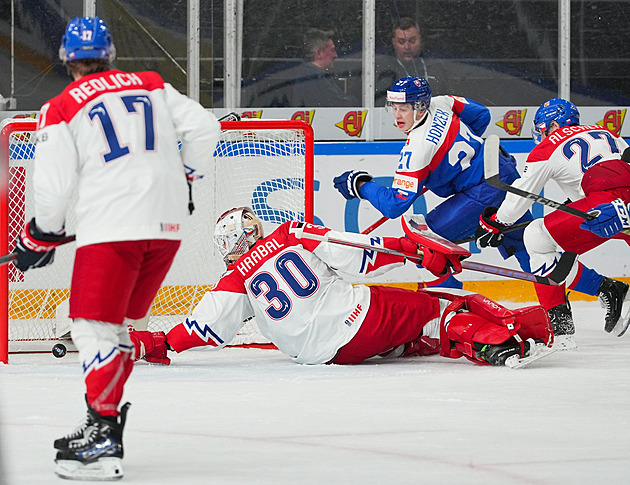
<point x="444" y="154"/>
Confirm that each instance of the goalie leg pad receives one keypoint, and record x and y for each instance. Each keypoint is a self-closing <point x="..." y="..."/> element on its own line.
<point x="473" y="320"/>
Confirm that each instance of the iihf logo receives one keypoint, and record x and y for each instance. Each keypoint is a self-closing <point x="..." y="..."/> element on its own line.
<point x="512" y="121"/>
<point x="613" y="120"/>
<point x="353" y="123"/>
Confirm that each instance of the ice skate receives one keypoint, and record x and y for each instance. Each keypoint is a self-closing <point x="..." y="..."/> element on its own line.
<point x="563" y="327"/>
<point x="509" y="353"/>
<point x="498" y="354"/>
<point x="62" y="443"/>
<point x="612" y="295"/>
<point x="95" y="453"/>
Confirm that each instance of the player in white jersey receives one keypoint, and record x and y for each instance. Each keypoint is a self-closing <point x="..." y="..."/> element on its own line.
<point x="444" y="154"/>
<point x="585" y="161"/>
<point x="293" y="285"/>
<point x="113" y="137"/>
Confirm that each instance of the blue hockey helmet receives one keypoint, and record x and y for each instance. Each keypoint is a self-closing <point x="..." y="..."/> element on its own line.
<point x="413" y="90"/>
<point x="87" y="38"/>
<point x="563" y="112"/>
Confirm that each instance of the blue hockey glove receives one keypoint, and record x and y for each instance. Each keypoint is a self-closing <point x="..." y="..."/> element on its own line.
<point x="612" y="219"/>
<point x="35" y="249"/>
<point x="348" y="183"/>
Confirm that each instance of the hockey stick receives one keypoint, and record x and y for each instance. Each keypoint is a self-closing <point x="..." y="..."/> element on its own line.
<point x="491" y="174"/>
<point x="7" y="258"/>
<point x="299" y="233"/>
<point x="384" y="219"/>
<point x="378" y="223"/>
<point x="520" y="225"/>
<point x="417" y="230"/>
<point x="233" y="116"/>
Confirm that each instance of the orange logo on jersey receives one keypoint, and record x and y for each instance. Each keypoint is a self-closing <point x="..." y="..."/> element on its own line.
<point x="252" y="114"/>
<point x="512" y="121"/>
<point x="353" y="122"/>
<point x="613" y="120"/>
<point x="304" y="116"/>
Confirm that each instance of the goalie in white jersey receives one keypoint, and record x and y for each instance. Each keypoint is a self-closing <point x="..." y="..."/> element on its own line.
<point x="293" y="285"/>
<point x="585" y="161"/>
<point x="112" y="136"/>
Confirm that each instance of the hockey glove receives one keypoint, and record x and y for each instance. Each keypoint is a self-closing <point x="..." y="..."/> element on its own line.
<point x="613" y="218"/>
<point x="35" y="249"/>
<point x="348" y="183"/>
<point x="434" y="261"/>
<point x="490" y="231"/>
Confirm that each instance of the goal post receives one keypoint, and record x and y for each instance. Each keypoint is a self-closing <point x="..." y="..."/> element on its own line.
<point x="264" y="164"/>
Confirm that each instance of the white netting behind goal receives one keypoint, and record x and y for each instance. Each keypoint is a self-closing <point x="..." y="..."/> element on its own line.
<point x="258" y="164"/>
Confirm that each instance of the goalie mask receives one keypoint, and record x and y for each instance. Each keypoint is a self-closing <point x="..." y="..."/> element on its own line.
<point x="236" y="231"/>
<point x="563" y="112"/>
<point x="86" y="38"/>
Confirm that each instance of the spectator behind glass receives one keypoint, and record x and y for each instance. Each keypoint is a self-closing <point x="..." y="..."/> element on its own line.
<point x="315" y="84"/>
<point x="405" y="60"/>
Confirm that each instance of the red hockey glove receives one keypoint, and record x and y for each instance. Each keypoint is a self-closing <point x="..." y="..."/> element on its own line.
<point x="434" y="261"/>
<point x="490" y="231"/>
<point x="409" y="247"/>
<point x="35" y="249"/>
<point x="149" y="346"/>
<point x="440" y="263"/>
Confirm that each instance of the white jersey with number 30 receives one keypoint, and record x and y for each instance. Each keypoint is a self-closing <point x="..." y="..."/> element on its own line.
<point x="291" y="285"/>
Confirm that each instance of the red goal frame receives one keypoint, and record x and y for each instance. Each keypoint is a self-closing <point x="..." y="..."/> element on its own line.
<point x="29" y="124"/>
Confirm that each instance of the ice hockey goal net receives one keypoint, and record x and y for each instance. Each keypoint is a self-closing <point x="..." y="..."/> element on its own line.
<point x="264" y="164"/>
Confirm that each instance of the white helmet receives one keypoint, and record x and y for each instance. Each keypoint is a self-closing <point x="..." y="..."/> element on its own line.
<point x="236" y="231"/>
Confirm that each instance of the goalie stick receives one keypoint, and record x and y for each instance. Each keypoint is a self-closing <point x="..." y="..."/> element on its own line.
<point x="417" y="230"/>
<point x="7" y="258"/>
<point x="452" y="249"/>
<point x="491" y="174"/>
<point x="299" y="233"/>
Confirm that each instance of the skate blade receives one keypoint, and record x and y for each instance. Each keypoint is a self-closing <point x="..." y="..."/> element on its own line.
<point x="564" y="342"/>
<point x="104" y="469"/>
<point x="516" y="362"/>
<point x="624" y="320"/>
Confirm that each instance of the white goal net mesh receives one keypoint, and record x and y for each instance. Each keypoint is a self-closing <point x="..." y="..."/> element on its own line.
<point x="256" y="167"/>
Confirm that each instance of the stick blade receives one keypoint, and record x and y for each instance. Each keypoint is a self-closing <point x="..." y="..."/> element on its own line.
<point x="491" y="157"/>
<point x="417" y="230"/>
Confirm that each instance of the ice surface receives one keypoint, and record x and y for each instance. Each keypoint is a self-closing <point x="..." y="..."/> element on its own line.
<point x="254" y="417"/>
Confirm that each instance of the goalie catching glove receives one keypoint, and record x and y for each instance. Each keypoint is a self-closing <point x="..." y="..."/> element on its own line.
<point x="348" y="183"/>
<point x="613" y="218"/>
<point x="490" y="230"/>
<point x="34" y="248"/>
<point x="434" y="261"/>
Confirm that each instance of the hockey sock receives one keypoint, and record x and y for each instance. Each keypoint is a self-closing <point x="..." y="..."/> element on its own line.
<point x="586" y="281"/>
<point x="106" y="363"/>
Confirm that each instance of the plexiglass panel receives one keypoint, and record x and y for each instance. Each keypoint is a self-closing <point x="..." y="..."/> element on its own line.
<point x="279" y="64"/>
<point x="600" y="63"/>
<point x="496" y="52"/>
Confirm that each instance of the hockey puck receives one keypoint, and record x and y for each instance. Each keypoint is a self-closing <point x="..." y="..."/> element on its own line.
<point x="59" y="350"/>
